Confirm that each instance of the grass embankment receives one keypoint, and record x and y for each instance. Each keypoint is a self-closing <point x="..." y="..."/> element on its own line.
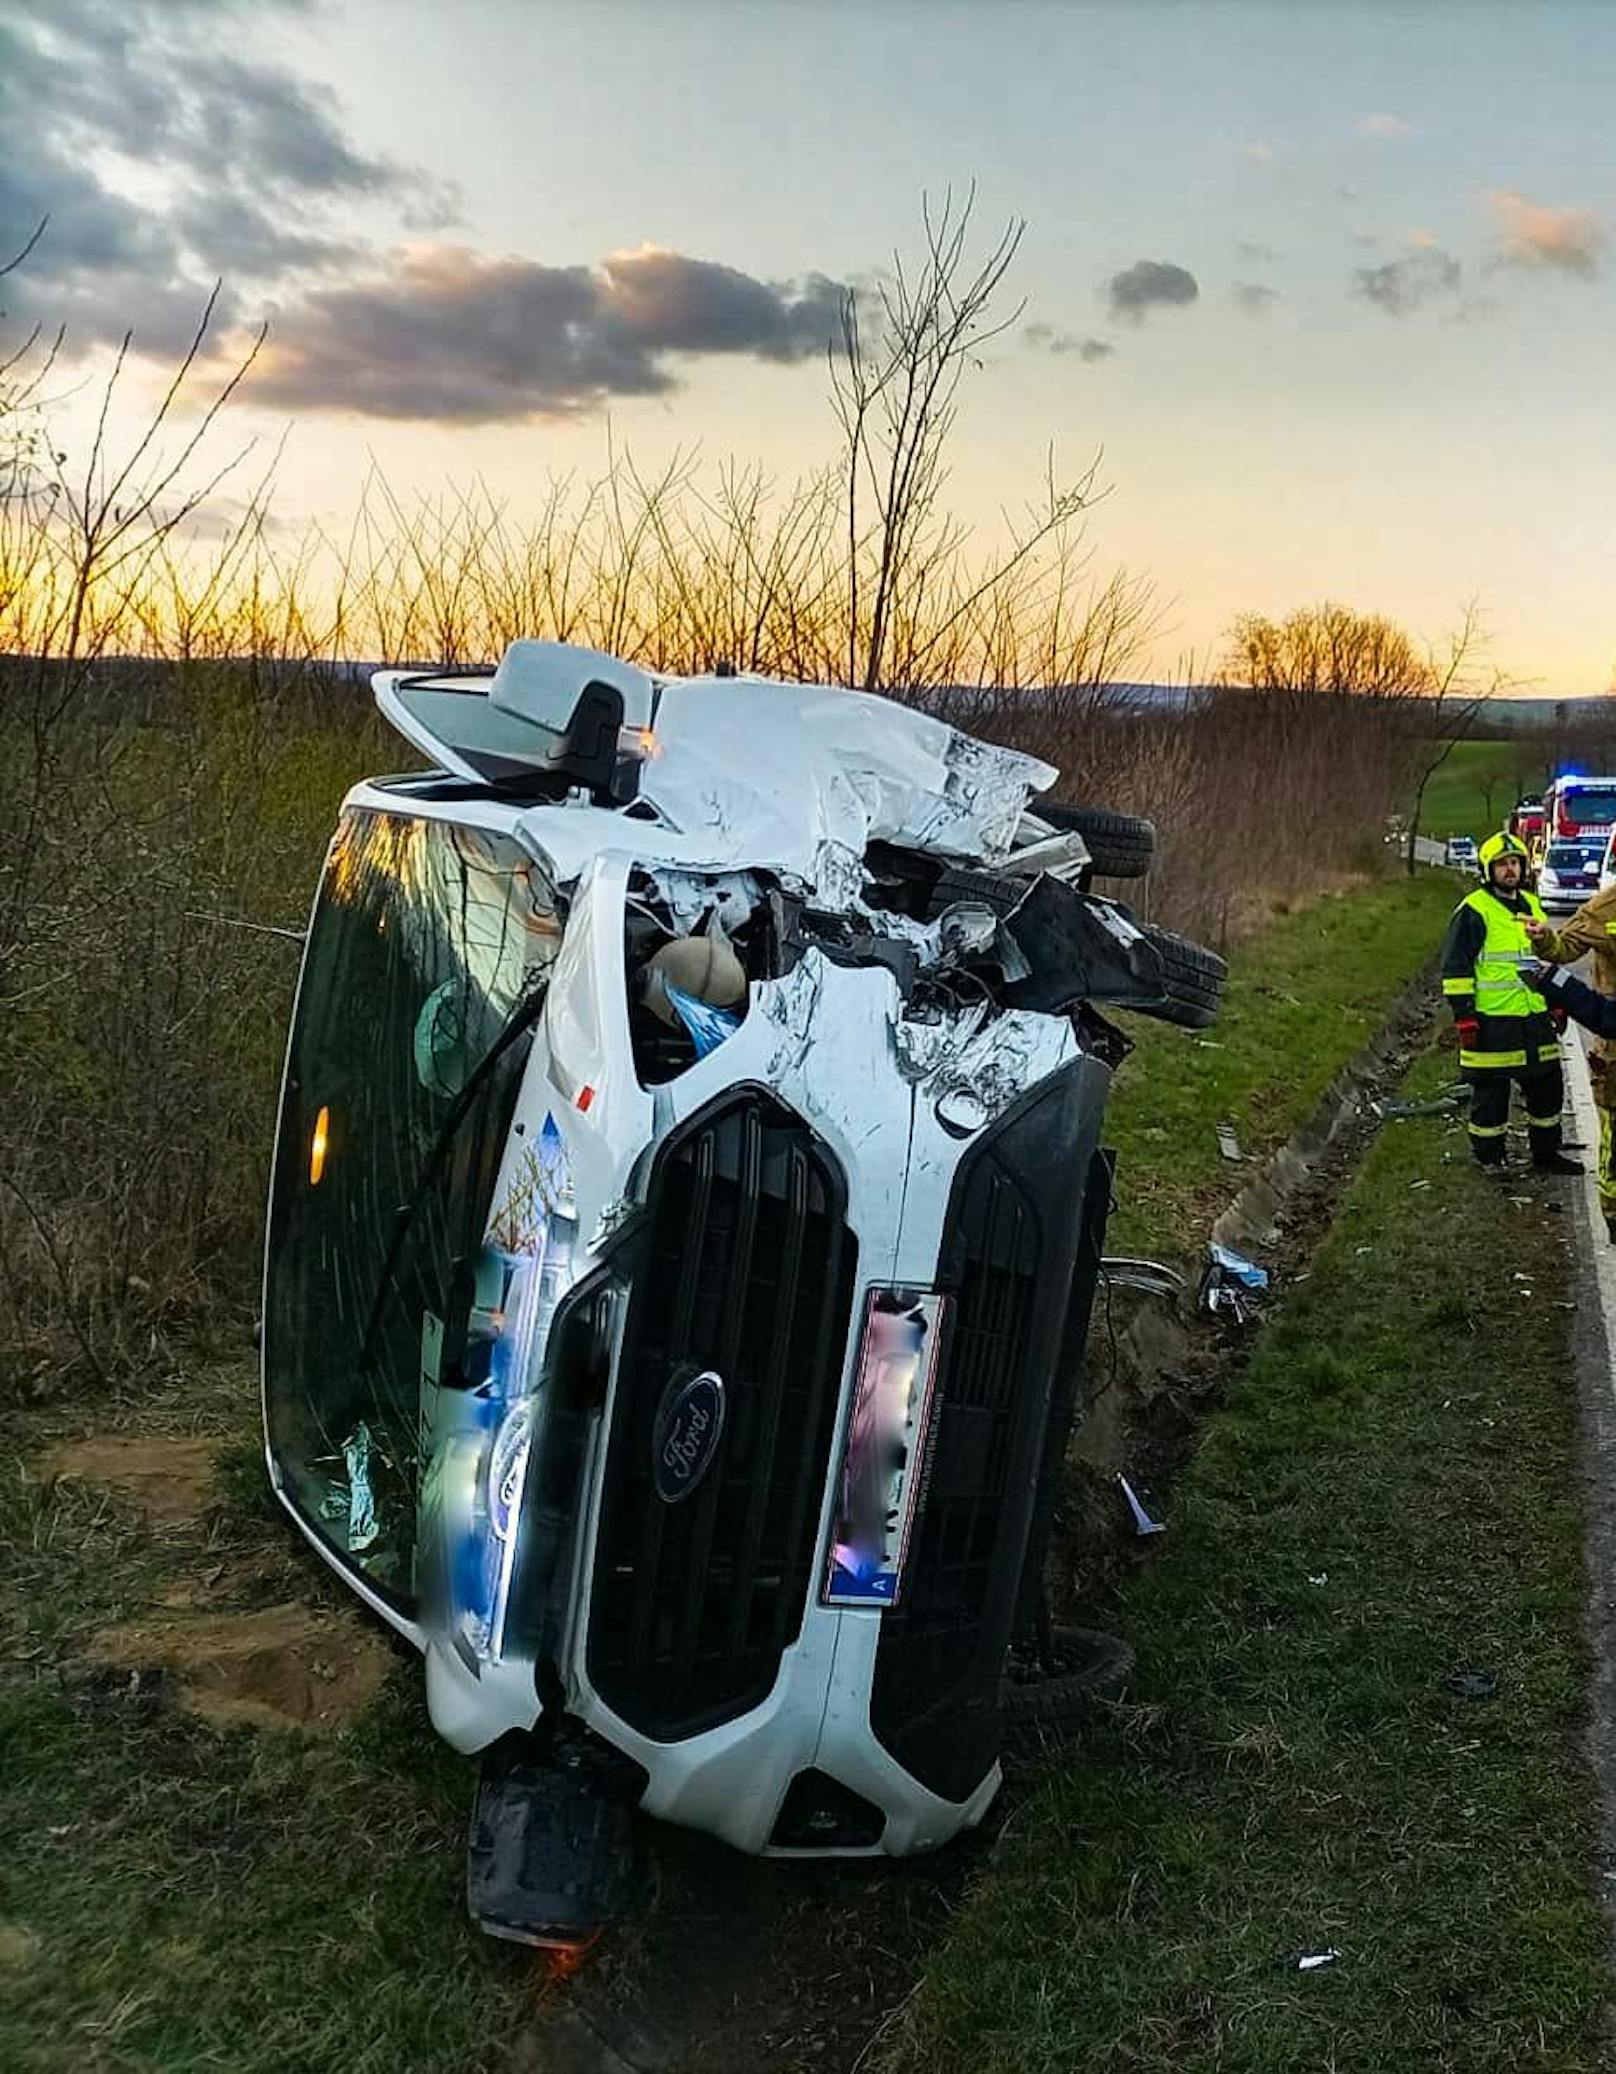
<point x="1303" y="996"/>
<point x="175" y="1897"/>
<point x="1385" y="1508"/>
<point x="1473" y="788"/>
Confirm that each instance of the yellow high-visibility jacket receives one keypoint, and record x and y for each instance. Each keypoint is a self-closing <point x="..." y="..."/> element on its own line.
<point x="1486" y="947"/>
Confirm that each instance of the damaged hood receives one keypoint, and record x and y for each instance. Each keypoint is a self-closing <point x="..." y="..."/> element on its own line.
<point x="748" y="773"/>
<point x="806" y="778"/>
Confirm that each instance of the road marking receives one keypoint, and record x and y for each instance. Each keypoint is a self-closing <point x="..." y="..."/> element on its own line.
<point x="1596" y="1247"/>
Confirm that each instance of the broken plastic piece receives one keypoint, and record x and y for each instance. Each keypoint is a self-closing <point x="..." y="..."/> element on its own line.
<point x="708" y="1026"/>
<point x="1447" y="1103"/>
<point x="1472" y="1685"/>
<point x="1228" y="1143"/>
<point x="1245" y="1272"/>
<point x="1142" y="1522"/>
<point x="362" y="1523"/>
<point x="1310" y="1962"/>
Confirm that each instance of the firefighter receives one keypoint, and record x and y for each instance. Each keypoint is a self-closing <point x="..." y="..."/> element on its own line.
<point x="1592" y="928"/>
<point x="1506" y="1031"/>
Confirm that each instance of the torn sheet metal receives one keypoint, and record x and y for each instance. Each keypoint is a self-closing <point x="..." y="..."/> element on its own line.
<point x="965" y="1064"/>
<point x="1149" y="1277"/>
<point x="690" y="896"/>
<point x="823" y="774"/>
<point x="984" y="792"/>
<point x="790" y="1004"/>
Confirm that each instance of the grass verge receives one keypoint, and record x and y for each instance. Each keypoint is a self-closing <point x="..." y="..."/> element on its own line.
<point x="1385" y="1506"/>
<point x="176" y="1897"/>
<point x="1303" y="997"/>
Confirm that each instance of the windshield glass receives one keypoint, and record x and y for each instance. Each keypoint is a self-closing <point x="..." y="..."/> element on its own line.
<point x="1572" y="857"/>
<point x="1591" y="806"/>
<point x="426" y="936"/>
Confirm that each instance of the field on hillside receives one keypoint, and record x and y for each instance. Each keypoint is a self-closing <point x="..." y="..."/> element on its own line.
<point x="1476" y="785"/>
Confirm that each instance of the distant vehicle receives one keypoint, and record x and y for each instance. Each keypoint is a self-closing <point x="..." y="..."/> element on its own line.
<point x="1527" y="821"/>
<point x="1460" y="853"/>
<point x="1579" y="809"/>
<point x="1570" y="875"/>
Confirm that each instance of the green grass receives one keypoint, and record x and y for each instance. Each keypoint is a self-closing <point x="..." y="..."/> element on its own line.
<point x="1388" y="1500"/>
<point x="1476" y="784"/>
<point x="181" y="1899"/>
<point x="1303" y="997"/>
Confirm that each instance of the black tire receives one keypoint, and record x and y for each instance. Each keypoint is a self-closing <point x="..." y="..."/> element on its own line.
<point x="1042" y="1705"/>
<point x="1122" y="845"/>
<point x="1192" y="981"/>
<point x="994" y="889"/>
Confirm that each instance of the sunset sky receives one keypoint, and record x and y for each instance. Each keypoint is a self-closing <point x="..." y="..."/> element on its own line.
<point x="1330" y="284"/>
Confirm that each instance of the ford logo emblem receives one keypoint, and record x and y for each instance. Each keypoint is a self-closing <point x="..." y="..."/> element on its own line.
<point x="689" y="1423"/>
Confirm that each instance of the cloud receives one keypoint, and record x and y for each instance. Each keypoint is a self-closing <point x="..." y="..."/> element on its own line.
<point x="1400" y="286"/>
<point x="1149" y="284"/>
<point x="1251" y="248"/>
<point x="245" y="171"/>
<point x="1387" y="126"/>
<point x="1254" y="298"/>
<point x="450" y="335"/>
<point x="1060" y="343"/>
<point x="249" y="173"/>
<point x="1573" y="240"/>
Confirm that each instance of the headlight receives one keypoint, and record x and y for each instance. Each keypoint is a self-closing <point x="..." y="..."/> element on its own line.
<point x="485" y="1434"/>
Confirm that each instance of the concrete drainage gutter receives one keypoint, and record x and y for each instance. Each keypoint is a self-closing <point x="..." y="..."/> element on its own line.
<point x="1252" y="1219"/>
<point x="1152" y="1363"/>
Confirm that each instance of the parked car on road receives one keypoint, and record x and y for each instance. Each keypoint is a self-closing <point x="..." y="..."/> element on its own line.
<point x="1460" y="853"/>
<point x="1570" y="875"/>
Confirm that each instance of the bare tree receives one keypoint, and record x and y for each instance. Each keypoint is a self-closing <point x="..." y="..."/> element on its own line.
<point x="1459" y="689"/>
<point x="895" y="385"/>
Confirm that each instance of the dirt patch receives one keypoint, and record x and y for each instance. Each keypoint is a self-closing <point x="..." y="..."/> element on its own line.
<point x="169" y="1477"/>
<point x="282" y="1667"/>
<point x="19" y="1946"/>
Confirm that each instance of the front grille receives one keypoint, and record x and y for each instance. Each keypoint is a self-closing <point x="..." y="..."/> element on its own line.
<point x="1010" y="1254"/>
<point x="747" y="1269"/>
